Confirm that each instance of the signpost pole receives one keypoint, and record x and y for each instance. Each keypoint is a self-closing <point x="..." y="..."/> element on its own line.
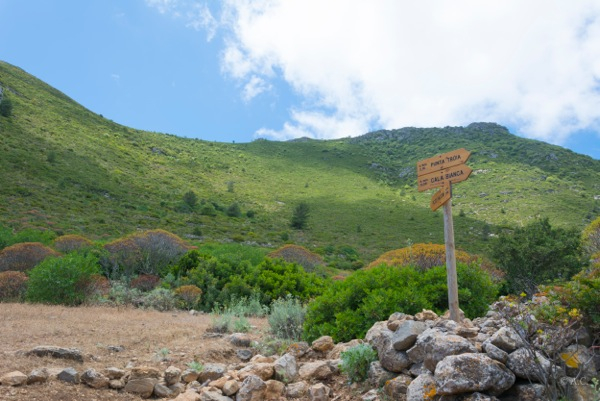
<point x="451" y="262"/>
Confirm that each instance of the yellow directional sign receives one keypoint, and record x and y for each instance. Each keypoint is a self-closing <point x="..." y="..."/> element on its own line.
<point x="443" y="161"/>
<point x="437" y="179"/>
<point x="440" y="197"/>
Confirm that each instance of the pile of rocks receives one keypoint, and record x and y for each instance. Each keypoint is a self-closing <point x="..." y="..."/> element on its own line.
<point x="421" y="357"/>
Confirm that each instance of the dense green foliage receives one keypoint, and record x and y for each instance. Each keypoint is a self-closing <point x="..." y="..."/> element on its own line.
<point x="62" y="280"/>
<point x="537" y="254"/>
<point x="347" y="309"/>
<point x="356" y="361"/>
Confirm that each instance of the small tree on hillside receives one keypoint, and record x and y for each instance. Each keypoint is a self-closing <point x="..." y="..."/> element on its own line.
<point x="190" y="199"/>
<point x="300" y="216"/>
<point x="6" y="107"/>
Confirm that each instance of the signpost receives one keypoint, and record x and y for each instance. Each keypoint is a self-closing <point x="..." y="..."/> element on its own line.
<point x="442" y="171"/>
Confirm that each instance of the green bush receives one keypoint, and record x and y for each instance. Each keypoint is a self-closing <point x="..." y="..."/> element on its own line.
<point x="286" y="318"/>
<point x="160" y="299"/>
<point x="348" y="308"/>
<point x="537" y="254"/>
<point x="62" y="280"/>
<point x="234" y="210"/>
<point x="356" y="361"/>
<point x="277" y="279"/>
<point x="121" y="295"/>
<point x="6" y="107"/>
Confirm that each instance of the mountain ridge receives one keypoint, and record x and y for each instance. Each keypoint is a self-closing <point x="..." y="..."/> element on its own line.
<point x="68" y="169"/>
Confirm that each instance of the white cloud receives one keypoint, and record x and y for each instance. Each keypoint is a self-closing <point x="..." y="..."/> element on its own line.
<point x="254" y="87"/>
<point x="164" y="6"/>
<point x="391" y="63"/>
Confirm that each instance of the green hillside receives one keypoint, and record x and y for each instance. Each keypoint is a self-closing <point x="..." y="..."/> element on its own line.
<point x="66" y="168"/>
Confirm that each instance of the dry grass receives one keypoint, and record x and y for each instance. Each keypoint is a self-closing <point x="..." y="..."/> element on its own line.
<point x="92" y="329"/>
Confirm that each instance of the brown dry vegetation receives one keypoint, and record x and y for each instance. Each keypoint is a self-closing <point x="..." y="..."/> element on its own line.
<point x="142" y="333"/>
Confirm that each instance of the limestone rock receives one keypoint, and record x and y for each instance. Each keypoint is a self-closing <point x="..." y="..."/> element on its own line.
<point x="466" y="373"/>
<point x="391" y="359"/>
<point x="298" y="349"/>
<point x="318" y="370"/>
<point x="422" y="388"/>
<point x="144" y="372"/>
<point x="188" y="395"/>
<point x="275" y="390"/>
<point x="212" y="395"/>
<point x="479" y="397"/>
<point x="525" y="366"/>
<point x="57" y="352"/>
<point x="116" y="384"/>
<point x="94" y="379"/>
<point x="319" y="392"/>
<point x="426" y="314"/>
<point x="240" y="340"/>
<point x="231" y="387"/>
<point x="69" y="375"/>
<point x="37" y="376"/>
<point x="525" y="392"/>
<point x="507" y="339"/>
<point x="244" y="354"/>
<point x="378" y="376"/>
<point x="296" y="390"/>
<point x="286" y="368"/>
<point x="177" y="388"/>
<point x="172" y="375"/>
<point x="15" y="378"/>
<point x="144" y="387"/>
<point x="579" y="361"/>
<point x="263" y="370"/>
<point x="323" y="344"/>
<point x="162" y="391"/>
<point x="252" y="389"/>
<point x="189" y="375"/>
<point x="371" y="395"/>
<point x="113" y="373"/>
<point x="406" y="334"/>
<point x="494" y="352"/>
<point x="433" y="345"/>
<point x="212" y="371"/>
<point x="341" y="347"/>
<point x="397" y="387"/>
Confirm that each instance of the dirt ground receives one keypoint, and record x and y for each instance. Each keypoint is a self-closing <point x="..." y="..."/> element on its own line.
<point x="145" y="336"/>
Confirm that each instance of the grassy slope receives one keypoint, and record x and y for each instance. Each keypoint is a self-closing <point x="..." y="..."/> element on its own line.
<point x="69" y="169"/>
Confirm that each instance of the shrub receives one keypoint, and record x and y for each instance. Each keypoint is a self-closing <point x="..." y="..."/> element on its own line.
<point x="6" y="107"/>
<point x="70" y="243"/>
<point x="98" y="286"/>
<point x="248" y="306"/>
<point x="24" y="256"/>
<point x="347" y="309"/>
<point x="145" y="282"/>
<point x="226" y="321"/>
<point x="62" y="280"/>
<point x="234" y="210"/>
<point x="159" y="299"/>
<point x="121" y="295"/>
<point x="287" y="318"/>
<point x="189" y="295"/>
<point x="300" y="216"/>
<point x="34" y="235"/>
<point x="191" y="199"/>
<point x="356" y="361"/>
<point x="422" y="256"/>
<point x="12" y="286"/>
<point x="149" y="252"/>
<point x="208" y="210"/>
<point x="537" y="254"/>
<point x="277" y="279"/>
<point x="298" y="254"/>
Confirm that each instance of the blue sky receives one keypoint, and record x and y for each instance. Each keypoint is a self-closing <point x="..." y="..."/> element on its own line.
<point x="235" y="70"/>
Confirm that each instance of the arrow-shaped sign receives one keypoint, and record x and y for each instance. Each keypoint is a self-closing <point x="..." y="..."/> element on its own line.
<point x="440" y="197"/>
<point x="439" y="178"/>
<point x="439" y="162"/>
